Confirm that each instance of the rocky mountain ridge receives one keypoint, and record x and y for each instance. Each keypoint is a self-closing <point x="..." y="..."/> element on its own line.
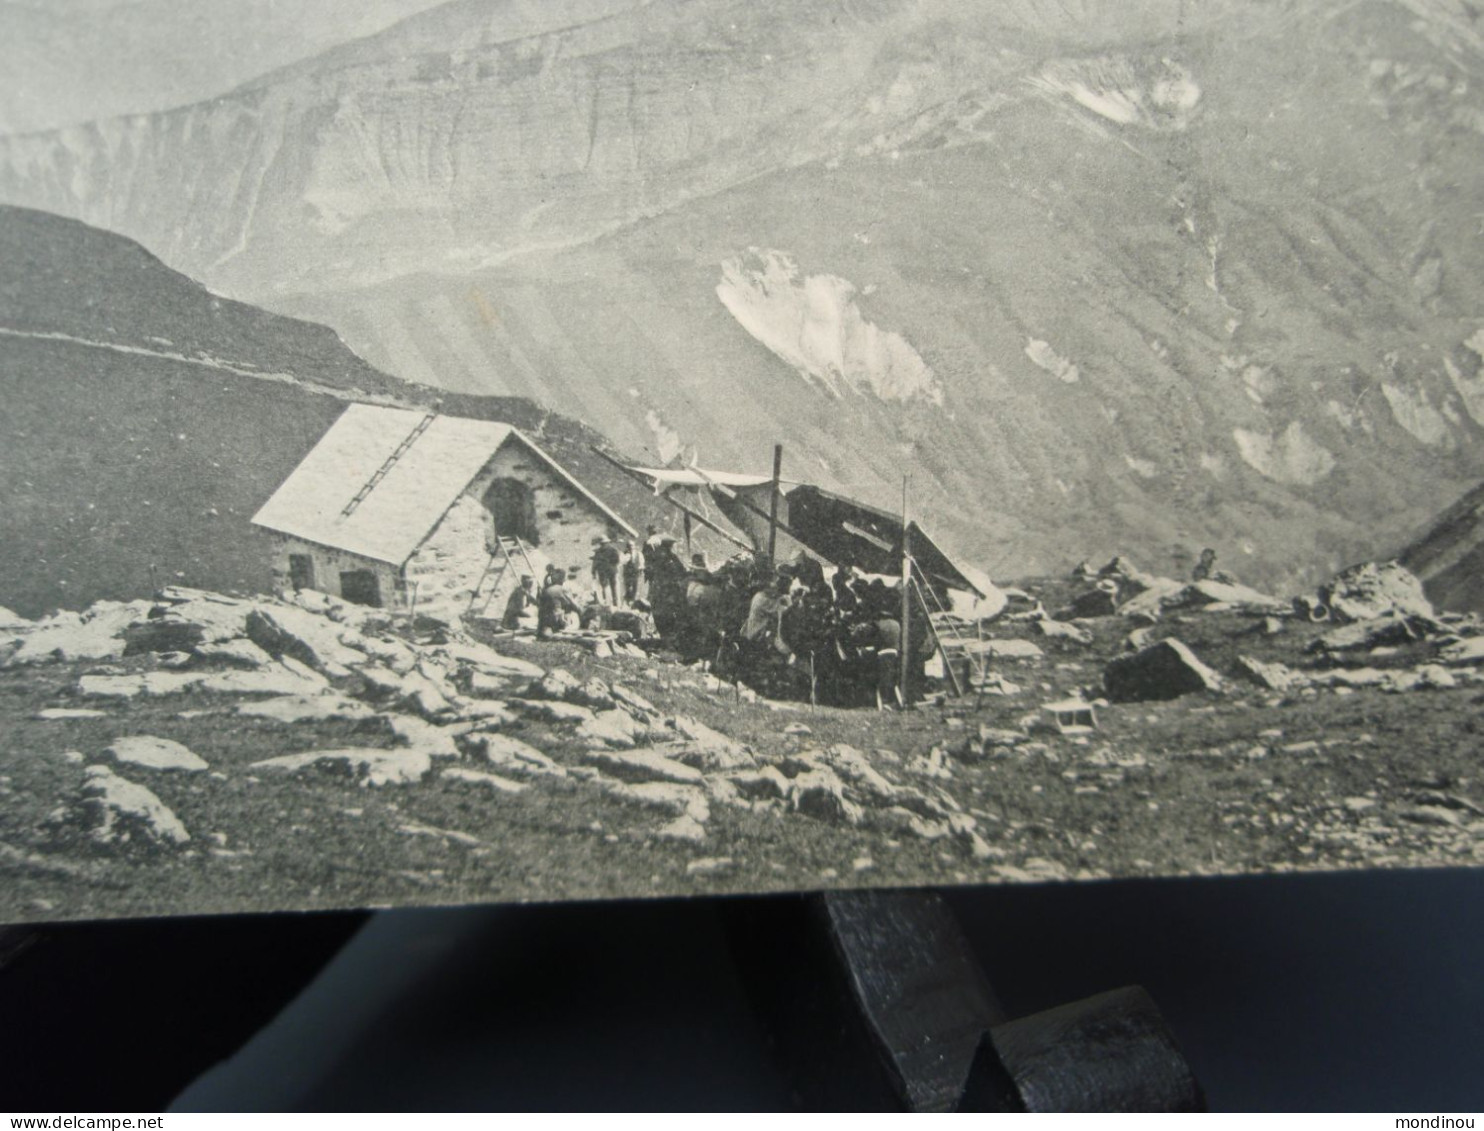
<point x="1098" y="280"/>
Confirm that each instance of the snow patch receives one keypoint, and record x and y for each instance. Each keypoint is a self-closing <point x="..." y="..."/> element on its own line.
<point x="1470" y="389"/>
<point x="666" y="439"/>
<point x="1293" y="457"/>
<point x="1414" y="411"/>
<point x="1158" y="97"/>
<point x="1052" y="362"/>
<point x="812" y="323"/>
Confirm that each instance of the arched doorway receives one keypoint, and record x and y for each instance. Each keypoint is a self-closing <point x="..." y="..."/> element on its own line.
<point x="512" y="507"/>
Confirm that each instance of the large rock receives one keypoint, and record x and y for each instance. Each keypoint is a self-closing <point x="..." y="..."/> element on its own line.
<point x="820" y="793"/>
<point x="297" y="708"/>
<point x="238" y="653"/>
<point x="117" y="812"/>
<point x="371" y="765"/>
<point x="97" y="634"/>
<point x="552" y="711"/>
<point x="855" y="768"/>
<point x="285" y="630"/>
<point x="1227" y="593"/>
<point x="1469" y="651"/>
<point x="493" y="782"/>
<point x="560" y="685"/>
<point x="156" y="753"/>
<point x="1273" y="675"/>
<point x="1390" y="628"/>
<point x="1376" y="589"/>
<point x="1165" y="670"/>
<point x="486" y="659"/>
<point x="512" y="754"/>
<point x="13" y="621"/>
<point x="610" y="728"/>
<point x="1061" y="630"/>
<point x="708" y="749"/>
<point x="644" y="765"/>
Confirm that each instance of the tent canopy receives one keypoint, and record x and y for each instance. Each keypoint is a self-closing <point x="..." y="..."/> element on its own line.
<point x="852" y="533"/>
<point x="838" y="529"/>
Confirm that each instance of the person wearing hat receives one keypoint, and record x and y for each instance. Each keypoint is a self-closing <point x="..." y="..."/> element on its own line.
<point x="606" y="559"/>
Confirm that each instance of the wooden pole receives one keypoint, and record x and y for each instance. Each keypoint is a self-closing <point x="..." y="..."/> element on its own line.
<point x="906" y="595"/>
<point x="773" y="505"/>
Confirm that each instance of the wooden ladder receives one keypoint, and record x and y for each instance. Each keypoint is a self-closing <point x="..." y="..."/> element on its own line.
<point x="943" y="625"/>
<point x="504" y="554"/>
<point x="370" y="485"/>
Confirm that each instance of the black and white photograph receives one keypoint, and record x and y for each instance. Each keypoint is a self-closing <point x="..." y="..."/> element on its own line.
<point x="486" y="451"/>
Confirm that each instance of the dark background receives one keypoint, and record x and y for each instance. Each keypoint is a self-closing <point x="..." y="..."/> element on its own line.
<point x="1322" y="992"/>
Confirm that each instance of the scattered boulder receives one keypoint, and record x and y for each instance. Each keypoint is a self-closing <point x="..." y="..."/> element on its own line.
<point x="96" y="634"/>
<point x="512" y="754"/>
<point x="820" y="793"/>
<point x="683" y="828"/>
<point x="644" y="765"/>
<point x="1101" y="601"/>
<point x="551" y="711"/>
<point x="485" y="780"/>
<point x="1467" y="651"/>
<point x="765" y="784"/>
<point x="239" y="653"/>
<point x="485" y="659"/>
<point x="555" y="685"/>
<point x="1227" y="594"/>
<point x="1376" y="589"/>
<point x="1389" y="628"/>
<point x="274" y="680"/>
<point x="1166" y="670"/>
<point x="609" y="728"/>
<point x="297" y="708"/>
<point x="284" y="630"/>
<point x="1013" y="649"/>
<point x="1274" y="676"/>
<point x="1061" y="630"/>
<point x="706" y="748"/>
<point x="117" y="812"/>
<point x="372" y="765"/>
<point x="156" y="754"/>
<point x="669" y="797"/>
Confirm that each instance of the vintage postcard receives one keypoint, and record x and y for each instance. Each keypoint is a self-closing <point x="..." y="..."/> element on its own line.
<point x="469" y="450"/>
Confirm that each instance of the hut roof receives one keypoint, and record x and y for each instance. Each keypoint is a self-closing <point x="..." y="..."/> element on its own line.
<point x="415" y="468"/>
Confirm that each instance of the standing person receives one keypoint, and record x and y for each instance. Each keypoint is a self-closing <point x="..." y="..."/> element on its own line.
<point x="606" y="559"/>
<point x="633" y="574"/>
<point x="559" y="611"/>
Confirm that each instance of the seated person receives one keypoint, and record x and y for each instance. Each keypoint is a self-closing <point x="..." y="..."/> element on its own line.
<point x="558" y="609"/>
<point x="521" y="608"/>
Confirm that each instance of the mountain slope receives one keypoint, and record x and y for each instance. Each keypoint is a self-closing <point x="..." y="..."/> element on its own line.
<point x="1449" y="557"/>
<point x="146" y="420"/>
<point x="1100" y="280"/>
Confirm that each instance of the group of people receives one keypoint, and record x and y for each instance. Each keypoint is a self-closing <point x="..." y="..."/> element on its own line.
<point x="791" y="631"/>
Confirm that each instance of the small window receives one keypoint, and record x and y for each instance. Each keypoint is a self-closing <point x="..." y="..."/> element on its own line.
<point x="301" y="571"/>
<point x="359" y="587"/>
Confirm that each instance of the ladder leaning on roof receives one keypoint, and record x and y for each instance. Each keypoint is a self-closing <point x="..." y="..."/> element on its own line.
<point x="370" y="485"/>
<point x="502" y="553"/>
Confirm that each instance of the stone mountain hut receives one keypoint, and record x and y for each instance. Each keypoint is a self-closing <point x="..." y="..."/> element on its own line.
<point x="404" y="509"/>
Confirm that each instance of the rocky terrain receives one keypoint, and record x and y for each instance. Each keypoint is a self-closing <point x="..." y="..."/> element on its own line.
<point x="200" y="752"/>
<point x="1152" y="278"/>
